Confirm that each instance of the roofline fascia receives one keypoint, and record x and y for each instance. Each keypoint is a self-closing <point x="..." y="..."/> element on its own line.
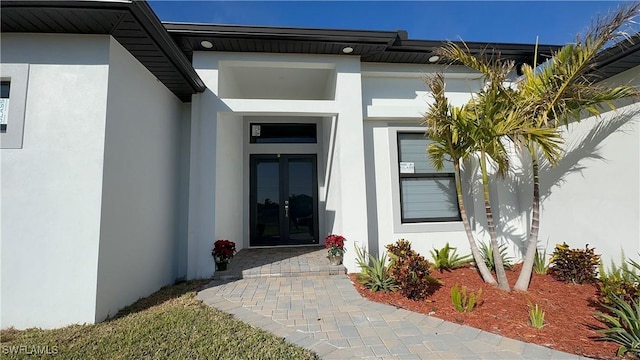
<point x="284" y="33"/>
<point x="150" y="21"/>
<point x="618" y="51"/>
<point x="143" y="13"/>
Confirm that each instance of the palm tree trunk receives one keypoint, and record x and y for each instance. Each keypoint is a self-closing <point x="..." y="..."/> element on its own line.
<point x="527" y="266"/>
<point x="477" y="257"/>
<point x="503" y="283"/>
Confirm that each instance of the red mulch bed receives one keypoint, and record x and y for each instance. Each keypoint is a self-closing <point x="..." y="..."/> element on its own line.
<point x="569" y="310"/>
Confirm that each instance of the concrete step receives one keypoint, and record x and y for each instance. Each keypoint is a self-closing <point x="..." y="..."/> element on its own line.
<point x="258" y="272"/>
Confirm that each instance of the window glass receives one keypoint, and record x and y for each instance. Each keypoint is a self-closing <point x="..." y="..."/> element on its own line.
<point x="429" y="198"/>
<point x="283" y="133"/>
<point x="4" y="89"/>
<point x="413" y="148"/>
<point x="4" y="104"/>
<point x="426" y="195"/>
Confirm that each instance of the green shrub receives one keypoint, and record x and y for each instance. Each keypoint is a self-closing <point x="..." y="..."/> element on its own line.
<point x="618" y="281"/>
<point x="411" y="271"/>
<point x="623" y="324"/>
<point x="536" y="316"/>
<point x="487" y="254"/>
<point x="447" y="259"/>
<point x="400" y="248"/>
<point x="374" y="273"/>
<point x="540" y="265"/>
<point x="463" y="301"/>
<point x="574" y="265"/>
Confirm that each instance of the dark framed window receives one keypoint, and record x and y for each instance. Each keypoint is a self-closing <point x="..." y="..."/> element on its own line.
<point x="5" y="86"/>
<point x="283" y="133"/>
<point x="426" y="195"/>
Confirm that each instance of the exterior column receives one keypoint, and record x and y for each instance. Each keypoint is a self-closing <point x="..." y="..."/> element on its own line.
<point x="202" y="178"/>
<point x="349" y="151"/>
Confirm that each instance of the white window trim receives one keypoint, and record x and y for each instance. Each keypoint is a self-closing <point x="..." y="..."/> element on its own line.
<point x="18" y="75"/>
<point x="398" y="226"/>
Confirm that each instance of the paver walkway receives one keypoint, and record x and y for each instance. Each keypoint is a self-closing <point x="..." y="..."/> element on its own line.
<point x="324" y="313"/>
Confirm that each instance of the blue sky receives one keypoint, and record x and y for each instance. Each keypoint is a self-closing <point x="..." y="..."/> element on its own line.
<point x="555" y="22"/>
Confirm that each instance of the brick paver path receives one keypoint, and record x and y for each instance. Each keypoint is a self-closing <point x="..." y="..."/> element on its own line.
<point x="324" y="313"/>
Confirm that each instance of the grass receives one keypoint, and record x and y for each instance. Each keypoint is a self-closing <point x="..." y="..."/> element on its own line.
<point x="171" y="323"/>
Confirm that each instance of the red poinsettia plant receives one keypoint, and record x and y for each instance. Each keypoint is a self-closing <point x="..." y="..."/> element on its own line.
<point x="223" y="250"/>
<point x="335" y="244"/>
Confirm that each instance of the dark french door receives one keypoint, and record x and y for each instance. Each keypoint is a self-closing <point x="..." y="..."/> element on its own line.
<point x="284" y="200"/>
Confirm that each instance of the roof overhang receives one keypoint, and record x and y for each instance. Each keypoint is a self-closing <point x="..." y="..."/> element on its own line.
<point x="371" y="46"/>
<point x="132" y="23"/>
<point x="166" y="49"/>
<point x="618" y="58"/>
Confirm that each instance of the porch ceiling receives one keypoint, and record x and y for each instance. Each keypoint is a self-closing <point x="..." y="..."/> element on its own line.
<point x="261" y="82"/>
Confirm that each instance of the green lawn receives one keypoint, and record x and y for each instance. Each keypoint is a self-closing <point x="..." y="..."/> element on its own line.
<point x="171" y="323"/>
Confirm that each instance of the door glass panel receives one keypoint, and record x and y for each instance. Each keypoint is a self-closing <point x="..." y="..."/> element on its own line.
<point x="268" y="202"/>
<point x="301" y="205"/>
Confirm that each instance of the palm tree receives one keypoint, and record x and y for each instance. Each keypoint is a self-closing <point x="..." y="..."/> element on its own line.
<point x="557" y="92"/>
<point x="493" y="121"/>
<point x="447" y="128"/>
<point x="530" y="115"/>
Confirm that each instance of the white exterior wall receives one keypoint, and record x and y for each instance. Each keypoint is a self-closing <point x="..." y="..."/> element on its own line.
<point x="394" y="99"/>
<point x="202" y="177"/>
<point x="215" y="193"/>
<point x="52" y="186"/>
<point x="140" y="194"/>
<point x="229" y="169"/>
<point x="593" y="196"/>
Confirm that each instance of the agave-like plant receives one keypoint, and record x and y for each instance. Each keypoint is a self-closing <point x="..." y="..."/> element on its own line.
<point x="540" y="265"/>
<point x="374" y="271"/>
<point x="489" y="256"/>
<point x="623" y="324"/>
<point x="634" y="272"/>
<point x="448" y="259"/>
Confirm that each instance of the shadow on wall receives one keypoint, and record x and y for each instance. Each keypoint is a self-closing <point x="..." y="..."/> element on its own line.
<point x="505" y="210"/>
<point x="329" y="219"/>
<point x="573" y="161"/>
<point x="585" y="148"/>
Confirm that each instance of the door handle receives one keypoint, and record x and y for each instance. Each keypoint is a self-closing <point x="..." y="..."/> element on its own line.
<point x="286" y="208"/>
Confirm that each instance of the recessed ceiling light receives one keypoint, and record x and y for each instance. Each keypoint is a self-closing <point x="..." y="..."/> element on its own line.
<point x="347" y="50"/>
<point x="206" y="44"/>
<point x="434" y="58"/>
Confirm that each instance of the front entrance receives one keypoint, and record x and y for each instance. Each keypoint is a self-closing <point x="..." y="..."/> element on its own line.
<point x="284" y="200"/>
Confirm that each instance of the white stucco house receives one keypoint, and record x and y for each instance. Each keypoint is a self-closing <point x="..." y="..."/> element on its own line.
<point x="130" y="145"/>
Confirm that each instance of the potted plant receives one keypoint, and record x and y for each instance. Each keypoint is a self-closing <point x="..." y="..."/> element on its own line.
<point x="335" y="246"/>
<point x="222" y="252"/>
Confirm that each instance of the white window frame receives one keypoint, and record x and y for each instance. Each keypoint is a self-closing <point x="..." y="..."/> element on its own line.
<point x="18" y="76"/>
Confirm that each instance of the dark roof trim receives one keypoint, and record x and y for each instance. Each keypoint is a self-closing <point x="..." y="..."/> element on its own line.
<point x="156" y="30"/>
<point x="371" y="46"/>
<point x="132" y="23"/>
<point x="618" y="58"/>
<point x="288" y="33"/>
<point x="166" y="49"/>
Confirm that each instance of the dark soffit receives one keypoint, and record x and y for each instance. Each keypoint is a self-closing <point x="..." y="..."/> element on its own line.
<point x="371" y="46"/>
<point x="618" y="58"/>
